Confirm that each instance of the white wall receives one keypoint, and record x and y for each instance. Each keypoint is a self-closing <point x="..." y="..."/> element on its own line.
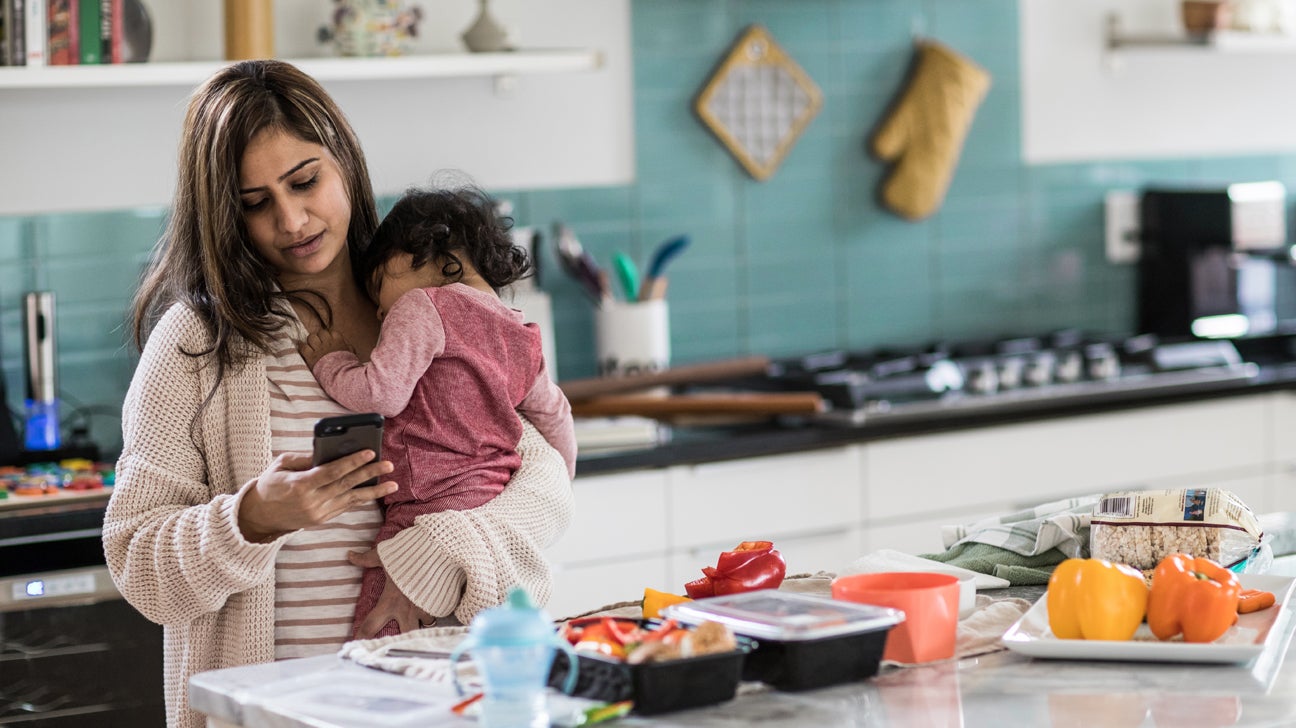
<point x="1080" y="103"/>
<point x="114" y="147"/>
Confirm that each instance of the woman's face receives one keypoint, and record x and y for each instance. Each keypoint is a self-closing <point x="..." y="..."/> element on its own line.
<point x="294" y="203"/>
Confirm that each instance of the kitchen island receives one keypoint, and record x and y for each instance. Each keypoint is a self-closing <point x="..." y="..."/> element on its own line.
<point x="998" y="689"/>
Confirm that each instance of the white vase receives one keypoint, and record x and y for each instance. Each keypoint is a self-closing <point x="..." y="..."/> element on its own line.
<point x="486" y="34"/>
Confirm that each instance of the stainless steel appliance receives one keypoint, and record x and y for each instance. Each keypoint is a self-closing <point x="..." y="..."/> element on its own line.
<point x="41" y="424"/>
<point x="73" y="653"/>
<point x="1210" y="259"/>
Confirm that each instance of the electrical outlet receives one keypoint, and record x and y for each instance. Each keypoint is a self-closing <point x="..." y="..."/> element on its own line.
<point x="1121" y="213"/>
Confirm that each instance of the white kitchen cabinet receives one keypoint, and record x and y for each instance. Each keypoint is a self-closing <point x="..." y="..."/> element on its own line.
<point x="617" y="516"/>
<point x="719" y="504"/>
<point x="1009" y="466"/>
<point x="510" y="121"/>
<point x="1282" y="443"/>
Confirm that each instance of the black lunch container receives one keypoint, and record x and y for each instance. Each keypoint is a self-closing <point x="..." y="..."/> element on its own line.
<point x="656" y="687"/>
<point x="803" y="641"/>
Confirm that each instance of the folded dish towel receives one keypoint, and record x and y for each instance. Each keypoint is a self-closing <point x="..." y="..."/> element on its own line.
<point x="1062" y="524"/>
<point x="1022" y="547"/>
<point x="1010" y="566"/>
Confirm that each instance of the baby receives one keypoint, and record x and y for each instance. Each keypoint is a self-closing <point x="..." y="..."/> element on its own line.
<point x="453" y="367"/>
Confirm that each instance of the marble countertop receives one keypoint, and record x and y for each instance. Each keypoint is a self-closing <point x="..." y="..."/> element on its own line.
<point x="998" y="689"/>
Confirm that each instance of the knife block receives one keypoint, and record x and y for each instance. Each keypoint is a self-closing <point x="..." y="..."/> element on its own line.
<point x="632" y="337"/>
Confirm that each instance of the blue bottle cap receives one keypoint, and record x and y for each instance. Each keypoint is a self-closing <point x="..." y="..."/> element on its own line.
<point x="515" y="623"/>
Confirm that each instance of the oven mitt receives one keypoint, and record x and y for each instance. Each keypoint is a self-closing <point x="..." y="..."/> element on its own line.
<point x="924" y="133"/>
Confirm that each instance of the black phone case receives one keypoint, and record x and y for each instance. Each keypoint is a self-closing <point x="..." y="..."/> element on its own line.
<point x="345" y="434"/>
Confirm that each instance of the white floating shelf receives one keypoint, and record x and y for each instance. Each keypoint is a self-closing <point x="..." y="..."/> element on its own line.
<point x="1222" y="41"/>
<point x="190" y="73"/>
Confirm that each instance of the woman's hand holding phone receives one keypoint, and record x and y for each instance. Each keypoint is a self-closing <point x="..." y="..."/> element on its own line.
<point x="293" y="493"/>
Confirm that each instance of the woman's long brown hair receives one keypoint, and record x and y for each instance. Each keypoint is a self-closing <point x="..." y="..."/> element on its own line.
<point x="204" y="258"/>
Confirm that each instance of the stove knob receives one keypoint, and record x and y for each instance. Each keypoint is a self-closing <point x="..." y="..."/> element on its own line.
<point x="982" y="377"/>
<point x="1069" y="367"/>
<point x="1011" y="369"/>
<point x="1039" y="371"/>
<point x="1104" y="363"/>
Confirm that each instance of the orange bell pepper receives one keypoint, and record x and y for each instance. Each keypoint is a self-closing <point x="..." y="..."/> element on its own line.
<point x="1193" y="596"/>
<point x="655" y="601"/>
<point x="1093" y="599"/>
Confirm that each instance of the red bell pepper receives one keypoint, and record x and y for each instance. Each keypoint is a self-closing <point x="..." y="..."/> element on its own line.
<point x="750" y="566"/>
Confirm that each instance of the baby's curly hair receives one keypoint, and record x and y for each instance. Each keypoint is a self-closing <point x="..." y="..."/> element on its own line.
<point x="438" y="223"/>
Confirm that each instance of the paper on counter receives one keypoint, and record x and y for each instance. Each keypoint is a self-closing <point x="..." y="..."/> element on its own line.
<point x="892" y="560"/>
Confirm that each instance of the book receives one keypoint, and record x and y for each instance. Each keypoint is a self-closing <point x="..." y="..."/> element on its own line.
<point x="61" y="33"/>
<point x="5" y="24"/>
<point x="112" y="46"/>
<point x="105" y="31"/>
<point x="17" y="33"/>
<point x="35" y="36"/>
<point x="88" y="31"/>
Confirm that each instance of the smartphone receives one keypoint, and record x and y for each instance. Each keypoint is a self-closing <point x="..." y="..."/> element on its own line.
<point x="345" y="434"/>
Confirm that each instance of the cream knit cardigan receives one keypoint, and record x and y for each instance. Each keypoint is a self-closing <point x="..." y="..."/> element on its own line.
<point x="175" y="551"/>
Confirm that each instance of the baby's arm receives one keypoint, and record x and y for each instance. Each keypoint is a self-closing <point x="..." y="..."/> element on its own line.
<point x="548" y="409"/>
<point x="412" y="336"/>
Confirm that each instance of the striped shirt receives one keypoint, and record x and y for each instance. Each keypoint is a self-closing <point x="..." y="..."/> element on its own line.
<point x="315" y="586"/>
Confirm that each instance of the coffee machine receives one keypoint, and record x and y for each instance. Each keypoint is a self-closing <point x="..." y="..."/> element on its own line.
<point x="1212" y="259"/>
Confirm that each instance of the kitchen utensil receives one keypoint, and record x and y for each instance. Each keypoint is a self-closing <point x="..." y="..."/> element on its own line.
<point x="665" y="253"/>
<point x="762" y="403"/>
<point x="929" y="601"/>
<point x="580" y="389"/>
<point x="574" y="261"/>
<point x="627" y="274"/>
<point x="654" y="284"/>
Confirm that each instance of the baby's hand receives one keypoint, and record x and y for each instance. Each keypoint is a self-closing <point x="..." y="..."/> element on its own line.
<point x="324" y="341"/>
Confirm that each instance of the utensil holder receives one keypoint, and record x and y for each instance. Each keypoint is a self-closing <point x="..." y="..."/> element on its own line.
<point x="632" y="337"/>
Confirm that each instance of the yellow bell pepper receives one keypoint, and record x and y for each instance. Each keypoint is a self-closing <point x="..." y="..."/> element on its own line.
<point x="1093" y="599"/>
<point x="655" y="601"/>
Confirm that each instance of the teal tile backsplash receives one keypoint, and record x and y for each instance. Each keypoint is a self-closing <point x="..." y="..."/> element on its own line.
<point x="804" y="261"/>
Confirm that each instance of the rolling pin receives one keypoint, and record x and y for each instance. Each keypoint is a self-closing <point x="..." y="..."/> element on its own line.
<point x="754" y="403"/>
<point x="582" y="389"/>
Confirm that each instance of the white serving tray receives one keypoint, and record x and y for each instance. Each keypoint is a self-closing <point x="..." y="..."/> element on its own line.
<point x="1252" y="635"/>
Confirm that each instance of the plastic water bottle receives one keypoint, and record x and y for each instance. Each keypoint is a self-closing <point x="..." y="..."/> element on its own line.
<point x="513" y="647"/>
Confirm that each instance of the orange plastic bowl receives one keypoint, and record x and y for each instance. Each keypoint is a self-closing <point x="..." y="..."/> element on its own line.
<point x="930" y="603"/>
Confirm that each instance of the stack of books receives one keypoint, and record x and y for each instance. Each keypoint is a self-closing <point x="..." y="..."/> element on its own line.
<point x="62" y="32"/>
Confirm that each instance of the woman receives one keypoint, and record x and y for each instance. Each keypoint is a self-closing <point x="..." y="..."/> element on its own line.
<point x="219" y="528"/>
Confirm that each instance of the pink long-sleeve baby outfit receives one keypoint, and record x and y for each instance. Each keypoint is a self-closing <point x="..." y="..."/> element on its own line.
<point x="452" y="369"/>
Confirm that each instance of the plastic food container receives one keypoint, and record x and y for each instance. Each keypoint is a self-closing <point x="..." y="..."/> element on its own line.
<point x="656" y="687"/>
<point x="802" y="641"/>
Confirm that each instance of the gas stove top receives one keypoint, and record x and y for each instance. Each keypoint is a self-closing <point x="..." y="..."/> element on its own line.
<point x="1004" y="376"/>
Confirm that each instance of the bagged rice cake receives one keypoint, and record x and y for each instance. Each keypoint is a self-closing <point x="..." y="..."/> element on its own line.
<point x="1139" y="528"/>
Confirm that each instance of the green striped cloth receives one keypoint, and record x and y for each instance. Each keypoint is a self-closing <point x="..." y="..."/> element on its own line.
<point x="1022" y="547"/>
